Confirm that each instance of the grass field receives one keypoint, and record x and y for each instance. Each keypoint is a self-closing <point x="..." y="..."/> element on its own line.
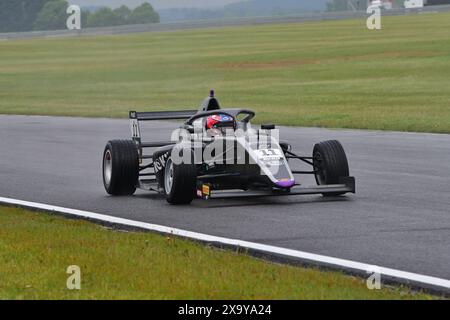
<point x="36" y="249"/>
<point x="331" y="74"/>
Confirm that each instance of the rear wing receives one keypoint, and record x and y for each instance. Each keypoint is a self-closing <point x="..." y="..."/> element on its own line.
<point x="135" y="117"/>
<point x="162" y="115"/>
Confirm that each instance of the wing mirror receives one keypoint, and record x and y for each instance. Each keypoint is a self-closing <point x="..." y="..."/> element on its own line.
<point x="189" y="128"/>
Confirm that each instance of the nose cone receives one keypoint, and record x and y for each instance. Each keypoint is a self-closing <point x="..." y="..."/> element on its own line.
<point x="285" y="183"/>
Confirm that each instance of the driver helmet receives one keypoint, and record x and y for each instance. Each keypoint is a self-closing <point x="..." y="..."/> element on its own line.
<point x="220" y="123"/>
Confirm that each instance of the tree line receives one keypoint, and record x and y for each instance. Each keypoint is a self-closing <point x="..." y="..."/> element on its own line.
<point x="28" y="15"/>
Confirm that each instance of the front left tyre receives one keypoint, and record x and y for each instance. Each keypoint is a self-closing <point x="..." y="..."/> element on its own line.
<point x="120" y="167"/>
<point x="330" y="163"/>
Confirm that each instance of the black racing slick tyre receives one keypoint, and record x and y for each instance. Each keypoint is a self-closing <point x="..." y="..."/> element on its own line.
<point x="180" y="182"/>
<point x="330" y="163"/>
<point x="120" y="167"/>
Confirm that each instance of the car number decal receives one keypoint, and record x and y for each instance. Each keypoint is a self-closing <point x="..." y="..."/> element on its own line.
<point x="269" y="154"/>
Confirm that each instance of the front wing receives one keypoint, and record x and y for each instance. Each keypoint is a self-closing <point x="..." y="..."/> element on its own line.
<point x="347" y="185"/>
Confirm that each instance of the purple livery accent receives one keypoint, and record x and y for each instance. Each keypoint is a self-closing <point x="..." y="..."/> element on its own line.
<point x="286" y="184"/>
<point x="211" y="94"/>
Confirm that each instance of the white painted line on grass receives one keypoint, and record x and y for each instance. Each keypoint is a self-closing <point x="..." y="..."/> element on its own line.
<point x="342" y="263"/>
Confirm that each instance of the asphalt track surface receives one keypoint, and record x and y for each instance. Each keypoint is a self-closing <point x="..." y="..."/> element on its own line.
<point x="399" y="218"/>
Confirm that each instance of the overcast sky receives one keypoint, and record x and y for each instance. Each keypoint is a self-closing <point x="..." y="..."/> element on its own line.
<point x="156" y="3"/>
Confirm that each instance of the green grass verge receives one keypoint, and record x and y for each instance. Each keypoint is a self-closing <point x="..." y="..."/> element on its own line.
<point x="331" y="74"/>
<point x="37" y="248"/>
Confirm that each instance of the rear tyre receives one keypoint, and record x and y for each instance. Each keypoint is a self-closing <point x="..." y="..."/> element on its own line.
<point x="330" y="163"/>
<point x="180" y="182"/>
<point x="120" y="167"/>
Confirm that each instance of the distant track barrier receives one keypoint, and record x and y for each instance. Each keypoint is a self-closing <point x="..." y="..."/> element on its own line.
<point x="173" y="26"/>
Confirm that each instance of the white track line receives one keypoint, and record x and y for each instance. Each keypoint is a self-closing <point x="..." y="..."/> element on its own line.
<point x="342" y="263"/>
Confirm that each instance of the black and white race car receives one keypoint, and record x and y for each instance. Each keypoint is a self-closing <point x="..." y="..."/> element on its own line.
<point x="216" y="153"/>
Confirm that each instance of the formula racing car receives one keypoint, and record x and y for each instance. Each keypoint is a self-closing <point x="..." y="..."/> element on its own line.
<point x="217" y="153"/>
